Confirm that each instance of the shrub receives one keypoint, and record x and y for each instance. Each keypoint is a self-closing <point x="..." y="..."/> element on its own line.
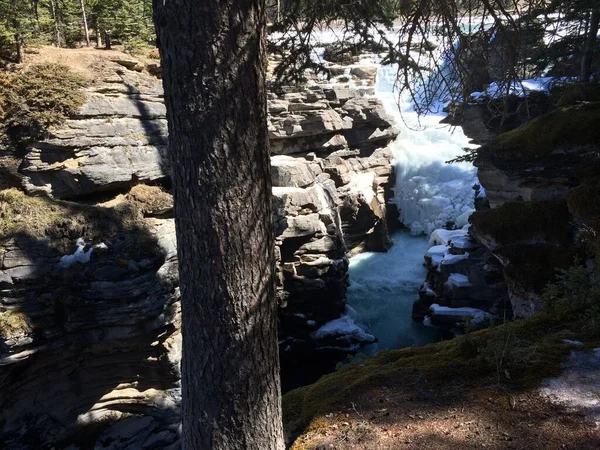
<point x="576" y="290"/>
<point x="37" y="98"/>
<point x="136" y="46"/>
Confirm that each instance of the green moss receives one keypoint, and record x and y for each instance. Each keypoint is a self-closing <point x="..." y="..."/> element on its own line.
<point x="526" y="221"/>
<point x="20" y="212"/>
<point x="561" y="128"/>
<point x="534" y="350"/>
<point x="584" y="200"/>
<point x="13" y="324"/>
<point x="575" y="93"/>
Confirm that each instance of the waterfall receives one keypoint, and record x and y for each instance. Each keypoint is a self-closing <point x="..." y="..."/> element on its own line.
<point x="429" y="194"/>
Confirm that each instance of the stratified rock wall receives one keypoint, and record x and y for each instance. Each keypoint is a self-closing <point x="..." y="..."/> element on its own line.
<point x="90" y="340"/>
<point x="89" y="311"/>
<point x="118" y="139"/>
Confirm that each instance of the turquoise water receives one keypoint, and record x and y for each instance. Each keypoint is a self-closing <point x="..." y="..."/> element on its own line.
<point x="383" y="289"/>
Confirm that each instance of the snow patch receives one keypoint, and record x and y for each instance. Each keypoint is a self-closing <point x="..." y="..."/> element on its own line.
<point x="443" y="237"/>
<point x="80" y="255"/>
<point x="458" y="280"/>
<point x="578" y="387"/>
<point x="449" y="259"/>
<point x="345" y="328"/>
<point x="478" y="316"/>
<point x="363" y="184"/>
<point x="520" y="88"/>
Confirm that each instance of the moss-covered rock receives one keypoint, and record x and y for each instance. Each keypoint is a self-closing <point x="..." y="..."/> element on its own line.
<point x="527" y="350"/>
<point x="64" y="222"/>
<point x="575" y="93"/>
<point x="543" y="221"/>
<point x="584" y="200"/>
<point x="562" y="128"/>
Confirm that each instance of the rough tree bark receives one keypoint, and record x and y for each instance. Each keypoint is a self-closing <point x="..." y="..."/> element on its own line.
<point x="98" y="34"/>
<point x="55" y="19"/>
<point x="213" y="63"/>
<point x="588" y="54"/>
<point x="20" y="47"/>
<point x="85" y="25"/>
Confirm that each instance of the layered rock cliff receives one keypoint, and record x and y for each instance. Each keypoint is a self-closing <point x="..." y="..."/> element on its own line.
<point x="89" y="308"/>
<point x="535" y="177"/>
<point x="89" y="328"/>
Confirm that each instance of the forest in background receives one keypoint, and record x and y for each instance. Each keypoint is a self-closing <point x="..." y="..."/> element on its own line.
<point x="516" y="40"/>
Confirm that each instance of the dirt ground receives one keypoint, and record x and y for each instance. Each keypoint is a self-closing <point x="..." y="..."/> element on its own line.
<point x="85" y="60"/>
<point x="417" y="419"/>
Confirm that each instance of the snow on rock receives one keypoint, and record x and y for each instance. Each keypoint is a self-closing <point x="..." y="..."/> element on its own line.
<point x="578" y="386"/>
<point x="464" y="242"/>
<point x="436" y="253"/>
<point x="458" y="280"/>
<point x="81" y="255"/>
<point x="520" y="88"/>
<point x="363" y="183"/>
<point x="445" y="314"/>
<point x="443" y="237"/>
<point x="453" y="259"/>
<point x="344" y="328"/>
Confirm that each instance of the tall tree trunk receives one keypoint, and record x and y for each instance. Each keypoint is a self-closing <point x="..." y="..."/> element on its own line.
<point x="55" y="19"/>
<point x="213" y="62"/>
<point x="588" y="54"/>
<point x="98" y="33"/>
<point x="85" y="25"/>
<point x="20" y="47"/>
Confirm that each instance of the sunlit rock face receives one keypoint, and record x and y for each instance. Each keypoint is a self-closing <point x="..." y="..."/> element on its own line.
<point x="332" y="177"/>
<point x="118" y="139"/>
